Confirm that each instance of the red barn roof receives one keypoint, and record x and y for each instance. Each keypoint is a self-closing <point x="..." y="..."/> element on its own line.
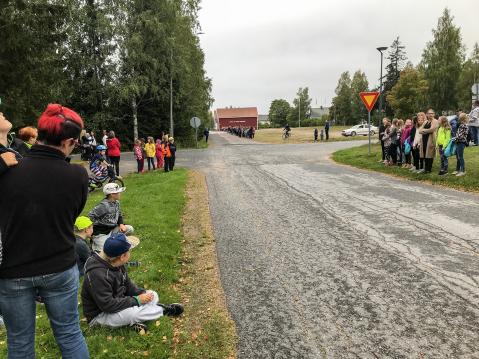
<point x="236" y="112"/>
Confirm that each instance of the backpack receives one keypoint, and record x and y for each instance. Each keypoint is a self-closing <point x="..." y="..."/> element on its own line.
<point x="450" y="149"/>
<point x="407" y="147"/>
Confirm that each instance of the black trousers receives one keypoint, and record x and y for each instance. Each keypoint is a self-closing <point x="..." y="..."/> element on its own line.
<point x="326" y="130"/>
<point x="428" y="164"/>
<point x="383" y="150"/>
<point x="115" y="161"/>
<point x="415" y="157"/>
<point x="393" y="153"/>
<point x="172" y="162"/>
<point x="167" y="164"/>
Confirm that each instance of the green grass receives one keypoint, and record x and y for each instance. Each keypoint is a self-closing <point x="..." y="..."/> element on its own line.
<point x="359" y="157"/>
<point x="153" y="203"/>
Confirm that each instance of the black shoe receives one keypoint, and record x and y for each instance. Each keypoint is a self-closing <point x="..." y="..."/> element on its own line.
<point x="441" y="172"/>
<point x="140" y="328"/>
<point x="172" y="310"/>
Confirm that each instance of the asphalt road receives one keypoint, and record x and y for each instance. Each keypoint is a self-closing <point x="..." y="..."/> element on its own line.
<point x="321" y="260"/>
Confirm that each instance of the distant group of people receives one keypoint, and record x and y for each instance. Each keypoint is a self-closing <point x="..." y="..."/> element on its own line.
<point x="245" y="132"/>
<point x="46" y="245"/>
<point x="163" y="151"/>
<point x="413" y="143"/>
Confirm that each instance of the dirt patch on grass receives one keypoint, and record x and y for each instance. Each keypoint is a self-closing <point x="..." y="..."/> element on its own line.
<point x="206" y="329"/>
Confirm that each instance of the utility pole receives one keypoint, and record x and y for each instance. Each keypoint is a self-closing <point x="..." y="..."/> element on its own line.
<point x="171" y="94"/>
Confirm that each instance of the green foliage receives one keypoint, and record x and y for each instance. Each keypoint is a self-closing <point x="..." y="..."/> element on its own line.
<point x="301" y="107"/>
<point x="441" y="63"/>
<point x="409" y="95"/>
<point x="342" y="101"/>
<point x="469" y="76"/>
<point x="31" y="73"/>
<point x="111" y="61"/>
<point x="278" y="112"/>
<point x="397" y="58"/>
<point x="359" y="83"/>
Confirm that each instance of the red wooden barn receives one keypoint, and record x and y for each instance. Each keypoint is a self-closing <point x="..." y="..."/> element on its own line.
<point x="236" y="117"/>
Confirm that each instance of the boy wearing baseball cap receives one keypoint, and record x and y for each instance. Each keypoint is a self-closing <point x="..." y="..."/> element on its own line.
<point x="83" y="231"/>
<point x="108" y="295"/>
<point x="107" y="218"/>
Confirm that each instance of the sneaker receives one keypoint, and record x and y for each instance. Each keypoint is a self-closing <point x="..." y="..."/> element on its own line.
<point x="412" y="169"/>
<point x="172" y="310"/>
<point x="454" y="173"/>
<point x="422" y="170"/>
<point x="140" y="328"/>
<point x="460" y="174"/>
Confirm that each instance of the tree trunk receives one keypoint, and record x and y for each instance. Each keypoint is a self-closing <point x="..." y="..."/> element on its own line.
<point x="135" y="117"/>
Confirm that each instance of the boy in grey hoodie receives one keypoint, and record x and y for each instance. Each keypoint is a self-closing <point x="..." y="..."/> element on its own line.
<point x="107" y="218"/>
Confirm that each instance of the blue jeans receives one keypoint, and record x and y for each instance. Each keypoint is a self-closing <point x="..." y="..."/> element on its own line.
<point x="460" y="166"/>
<point x="444" y="160"/>
<point x="59" y="292"/>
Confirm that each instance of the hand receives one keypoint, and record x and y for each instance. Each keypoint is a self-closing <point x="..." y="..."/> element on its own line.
<point x="9" y="159"/>
<point x="145" y="297"/>
<point x="122" y="228"/>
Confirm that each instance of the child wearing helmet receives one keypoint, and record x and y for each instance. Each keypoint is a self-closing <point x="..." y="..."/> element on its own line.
<point x="99" y="165"/>
<point x="107" y="218"/>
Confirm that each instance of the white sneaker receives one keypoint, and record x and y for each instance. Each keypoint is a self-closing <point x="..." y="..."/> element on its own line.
<point x="412" y="169"/>
<point x="422" y="170"/>
<point x="460" y="174"/>
<point x="455" y="173"/>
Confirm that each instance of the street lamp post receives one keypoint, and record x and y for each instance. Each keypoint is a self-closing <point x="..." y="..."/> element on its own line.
<point x="299" y="111"/>
<point x="381" y="49"/>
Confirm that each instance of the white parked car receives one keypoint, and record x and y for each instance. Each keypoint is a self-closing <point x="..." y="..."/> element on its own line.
<point x="359" y="130"/>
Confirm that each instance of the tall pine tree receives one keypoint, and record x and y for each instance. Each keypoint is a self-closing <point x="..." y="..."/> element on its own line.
<point x="397" y="60"/>
<point x="442" y="64"/>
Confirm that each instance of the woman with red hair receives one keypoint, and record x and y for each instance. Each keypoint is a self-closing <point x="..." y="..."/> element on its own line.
<point x="27" y="136"/>
<point x="40" y="199"/>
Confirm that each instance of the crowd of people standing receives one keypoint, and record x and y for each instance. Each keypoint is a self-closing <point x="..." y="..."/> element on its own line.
<point x="414" y="143"/>
<point x="245" y="132"/>
<point x="163" y="150"/>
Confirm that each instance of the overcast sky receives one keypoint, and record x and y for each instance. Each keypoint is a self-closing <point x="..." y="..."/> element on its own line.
<point x="261" y="50"/>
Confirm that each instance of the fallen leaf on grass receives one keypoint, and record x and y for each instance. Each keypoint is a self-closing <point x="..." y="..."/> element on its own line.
<point x="164" y="339"/>
<point x="194" y="336"/>
<point x="145" y="354"/>
<point x="157" y="323"/>
<point x="109" y="337"/>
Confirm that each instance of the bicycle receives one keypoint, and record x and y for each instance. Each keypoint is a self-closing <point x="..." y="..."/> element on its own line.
<point x="286" y="135"/>
<point x="95" y="182"/>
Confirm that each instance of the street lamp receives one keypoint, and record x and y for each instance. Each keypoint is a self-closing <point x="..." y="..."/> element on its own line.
<point x="381" y="49"/>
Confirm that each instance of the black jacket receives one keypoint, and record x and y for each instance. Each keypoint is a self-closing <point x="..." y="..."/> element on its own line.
<point x="20" y="146"/>
<point x="106" y="289"/>
<point x="3" y="165"/>
<point x="40" y="198"/>
<point x="82" y="253"/>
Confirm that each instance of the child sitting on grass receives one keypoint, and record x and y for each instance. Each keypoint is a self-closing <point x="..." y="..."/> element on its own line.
<point x="107" y="218"/>
<point x="108" y="295"/>
<point x="83" y="231"/>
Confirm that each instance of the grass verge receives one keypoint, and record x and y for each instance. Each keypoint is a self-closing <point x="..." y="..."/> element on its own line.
<point x="206" y="330"/>
<point x="153" y="204"/>
<point x="303" y="135"/>
<point x="359" y="157"/>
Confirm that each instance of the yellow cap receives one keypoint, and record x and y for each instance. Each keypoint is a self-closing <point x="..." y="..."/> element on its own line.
<point x="83" y="222"/>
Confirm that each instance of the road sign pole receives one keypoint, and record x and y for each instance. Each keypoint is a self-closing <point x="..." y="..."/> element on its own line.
<point x="196" y="136"/>
<point x="369" y="132"/>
